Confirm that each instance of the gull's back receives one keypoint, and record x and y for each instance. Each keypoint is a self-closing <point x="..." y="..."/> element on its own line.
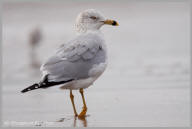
<point x="75" y="59"/>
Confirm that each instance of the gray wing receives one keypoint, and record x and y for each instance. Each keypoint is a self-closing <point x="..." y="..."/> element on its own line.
<point x="75" y="59"/>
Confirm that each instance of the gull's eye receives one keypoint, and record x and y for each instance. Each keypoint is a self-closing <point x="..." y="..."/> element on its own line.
<point x="93" y="17"/>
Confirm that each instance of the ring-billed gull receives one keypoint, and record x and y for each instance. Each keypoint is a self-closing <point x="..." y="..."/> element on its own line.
<point x="79" y="62"/>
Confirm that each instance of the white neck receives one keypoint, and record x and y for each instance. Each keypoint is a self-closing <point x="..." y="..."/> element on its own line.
<point x="82" y="28"/>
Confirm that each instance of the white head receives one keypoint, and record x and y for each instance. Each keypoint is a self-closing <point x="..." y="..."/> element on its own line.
<point x="91" y="20"/>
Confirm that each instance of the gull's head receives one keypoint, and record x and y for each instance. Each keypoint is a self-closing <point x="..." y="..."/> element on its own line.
<point x="91" y="19"/>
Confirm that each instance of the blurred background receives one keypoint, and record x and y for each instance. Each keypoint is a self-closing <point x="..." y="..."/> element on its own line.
<point x="146" y="83"/>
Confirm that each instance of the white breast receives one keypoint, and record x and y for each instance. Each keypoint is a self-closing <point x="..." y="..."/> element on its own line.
<point x="94" y="73"/>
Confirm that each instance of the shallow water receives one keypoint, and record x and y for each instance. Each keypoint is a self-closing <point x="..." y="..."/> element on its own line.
<point x="146" y="83"/>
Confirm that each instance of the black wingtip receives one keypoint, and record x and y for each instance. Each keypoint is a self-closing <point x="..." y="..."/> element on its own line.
<point x="43" y="84"/>
<point x="23" y="91"/>
<point x="33" y="87"/>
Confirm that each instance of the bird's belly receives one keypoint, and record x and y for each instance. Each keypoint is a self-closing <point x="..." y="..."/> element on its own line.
<point x="94" y="73"/>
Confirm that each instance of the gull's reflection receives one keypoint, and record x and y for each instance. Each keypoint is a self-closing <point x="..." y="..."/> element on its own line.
<point x="83" y="120"/>
<point x="75" y="120"/>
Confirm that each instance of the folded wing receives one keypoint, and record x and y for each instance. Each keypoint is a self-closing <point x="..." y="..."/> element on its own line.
<point x="74" y="59"/>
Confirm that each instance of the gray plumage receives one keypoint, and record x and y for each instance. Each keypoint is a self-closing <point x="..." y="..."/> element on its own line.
<point x="76" y="58"/>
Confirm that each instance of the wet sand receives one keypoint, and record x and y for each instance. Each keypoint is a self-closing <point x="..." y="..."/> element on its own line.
<point x="106" y="107"/>
<point x="146" y="84"/>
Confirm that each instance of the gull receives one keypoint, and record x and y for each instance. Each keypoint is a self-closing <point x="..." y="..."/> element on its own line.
<point x="78" y="63"/>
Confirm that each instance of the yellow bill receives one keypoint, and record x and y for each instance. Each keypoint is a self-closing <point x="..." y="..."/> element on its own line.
<point x="111" y="22"/>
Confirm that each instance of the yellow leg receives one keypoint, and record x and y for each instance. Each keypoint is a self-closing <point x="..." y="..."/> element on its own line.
<point x="83" y="112"/>
<point x="72" y="101"/>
